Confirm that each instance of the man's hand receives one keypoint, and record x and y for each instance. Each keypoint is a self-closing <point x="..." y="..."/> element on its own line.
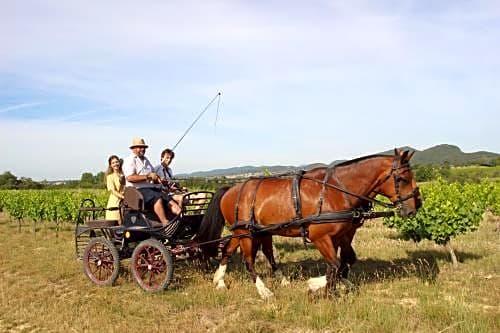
<point x="152" y="176"/>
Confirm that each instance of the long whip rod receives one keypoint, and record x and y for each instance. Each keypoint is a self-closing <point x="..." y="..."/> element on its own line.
<point x="199" y="116"/>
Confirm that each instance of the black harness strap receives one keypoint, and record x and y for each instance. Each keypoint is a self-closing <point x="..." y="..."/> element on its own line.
<point x="355" y="215"/>
<point x="296" y="194"/>
<point x="328" y="171"/>
<point x="332" y="217"/>
<point x="304" y="231"/>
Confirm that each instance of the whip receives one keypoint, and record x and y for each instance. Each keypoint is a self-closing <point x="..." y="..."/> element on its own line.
<point x="199" y="116"/>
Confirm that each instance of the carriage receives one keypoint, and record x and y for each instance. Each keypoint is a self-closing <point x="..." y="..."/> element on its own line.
<point x="324" y="206"/>
<point x="102" y="244"/>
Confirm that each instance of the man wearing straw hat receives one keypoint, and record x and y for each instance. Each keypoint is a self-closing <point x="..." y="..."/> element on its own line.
<point x="139" y="173"/>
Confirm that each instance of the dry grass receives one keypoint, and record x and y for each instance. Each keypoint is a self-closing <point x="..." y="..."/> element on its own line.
<point x="402" y="286"/>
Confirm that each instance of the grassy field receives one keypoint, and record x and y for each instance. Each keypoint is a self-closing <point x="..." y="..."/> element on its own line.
<point x="402" y="286"/>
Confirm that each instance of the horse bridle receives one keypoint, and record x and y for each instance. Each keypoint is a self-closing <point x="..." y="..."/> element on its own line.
<point x="396" y="172"/>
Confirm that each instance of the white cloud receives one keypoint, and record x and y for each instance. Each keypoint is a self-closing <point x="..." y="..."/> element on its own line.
<point x="329" y="79"/>
<point x="11" y="108"/>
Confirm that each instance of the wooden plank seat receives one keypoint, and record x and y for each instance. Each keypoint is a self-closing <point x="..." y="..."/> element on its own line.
<point x="101" y="223"/>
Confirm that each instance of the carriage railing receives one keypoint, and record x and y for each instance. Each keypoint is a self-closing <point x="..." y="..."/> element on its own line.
<point x="196" y="203"/>
<point x="91" y="223"/>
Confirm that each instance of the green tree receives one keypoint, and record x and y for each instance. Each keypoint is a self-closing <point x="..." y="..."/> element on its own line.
<point x="424" y="173"/>
<point x="445" y="170"/>
<point x="87" y="180"/>
<point x="28" y="183"/>
<point x="99" y="179"/>
<point x="8" y="180"/>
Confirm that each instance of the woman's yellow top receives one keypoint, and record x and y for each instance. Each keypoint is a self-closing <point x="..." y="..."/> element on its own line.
<point x="113" y="183"/>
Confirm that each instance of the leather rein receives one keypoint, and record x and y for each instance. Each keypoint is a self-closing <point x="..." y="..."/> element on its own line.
<point x="395" y="173"/>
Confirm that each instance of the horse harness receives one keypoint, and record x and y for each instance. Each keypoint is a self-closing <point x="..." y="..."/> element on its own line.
<point x="355" y="215"/>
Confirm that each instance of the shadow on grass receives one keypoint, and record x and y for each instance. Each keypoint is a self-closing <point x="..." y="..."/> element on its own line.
<point x="370" y="270"/>
<point x="443" y="255"/>
<point x="290" y="247"/>
<point x="420" y="264"/>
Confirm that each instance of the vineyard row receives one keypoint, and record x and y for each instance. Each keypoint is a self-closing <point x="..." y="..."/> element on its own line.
<point x="62" y="205"/>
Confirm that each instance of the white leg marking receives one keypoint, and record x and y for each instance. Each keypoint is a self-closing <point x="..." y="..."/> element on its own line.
<point x="219" y="274"/>
<point x="262" y="289"/>
<point x="317" y="283"/>
<point x="221" y="285"/>
<point x="284" y="280"/>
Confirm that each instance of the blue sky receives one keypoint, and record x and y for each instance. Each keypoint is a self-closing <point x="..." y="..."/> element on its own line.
<point x="301" y="81"/>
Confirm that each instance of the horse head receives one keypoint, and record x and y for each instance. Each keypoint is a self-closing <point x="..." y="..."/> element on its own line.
<point x="399" y="184"/>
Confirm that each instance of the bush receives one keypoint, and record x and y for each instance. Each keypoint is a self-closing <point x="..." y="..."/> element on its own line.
<point x="449" y="209"/>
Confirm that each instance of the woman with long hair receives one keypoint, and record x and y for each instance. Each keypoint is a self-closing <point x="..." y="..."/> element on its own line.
<point x="115" y="182"/>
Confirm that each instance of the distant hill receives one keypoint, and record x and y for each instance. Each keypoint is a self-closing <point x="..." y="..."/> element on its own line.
<point x="436" y="155"/>
<point x="253" y="170"/>
<point x="244" y="170"/>
<point x="451" y="154"/>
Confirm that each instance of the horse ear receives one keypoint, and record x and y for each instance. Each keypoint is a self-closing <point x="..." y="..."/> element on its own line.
<point x="404" y="155"/>
<point x="410" y="155"/>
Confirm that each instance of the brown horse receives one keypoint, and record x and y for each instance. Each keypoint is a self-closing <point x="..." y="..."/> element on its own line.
<point x="322" y="204"/>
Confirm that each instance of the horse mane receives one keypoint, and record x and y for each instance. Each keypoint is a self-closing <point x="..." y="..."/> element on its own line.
<point x="349" y="162"/>
<point x="359" y="159"/>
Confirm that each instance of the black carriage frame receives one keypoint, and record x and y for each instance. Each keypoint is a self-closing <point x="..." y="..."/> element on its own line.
<point x="101" y="244"/>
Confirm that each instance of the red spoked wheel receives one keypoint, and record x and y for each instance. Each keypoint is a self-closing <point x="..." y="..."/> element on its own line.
<point x="152" y="265"/>
<point x="101" y="263"/>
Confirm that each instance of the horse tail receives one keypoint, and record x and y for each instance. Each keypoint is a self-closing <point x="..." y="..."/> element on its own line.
<point x="212" y="223"/>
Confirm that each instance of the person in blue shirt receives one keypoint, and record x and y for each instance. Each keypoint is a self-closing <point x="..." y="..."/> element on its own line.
<point x="168" y="185"/>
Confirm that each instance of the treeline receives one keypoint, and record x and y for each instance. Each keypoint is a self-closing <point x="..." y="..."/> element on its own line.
<point x="9" y="181"/>
<point x="423" y="173"/>
<point x="207" y="184"/>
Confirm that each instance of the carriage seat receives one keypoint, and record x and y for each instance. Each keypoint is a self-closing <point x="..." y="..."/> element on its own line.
<point x="133" y="199"/>
<point x="133" y="202"/>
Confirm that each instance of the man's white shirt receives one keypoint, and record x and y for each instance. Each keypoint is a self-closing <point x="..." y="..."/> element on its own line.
<point x="133" y="165"/>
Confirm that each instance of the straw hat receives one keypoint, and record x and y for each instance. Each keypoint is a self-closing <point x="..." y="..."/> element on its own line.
<point x="138" y="142"/>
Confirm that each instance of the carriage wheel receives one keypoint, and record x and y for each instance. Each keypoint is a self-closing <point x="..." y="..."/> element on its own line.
<point x="101" y="263"/>
<point x="152" y="266"/>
